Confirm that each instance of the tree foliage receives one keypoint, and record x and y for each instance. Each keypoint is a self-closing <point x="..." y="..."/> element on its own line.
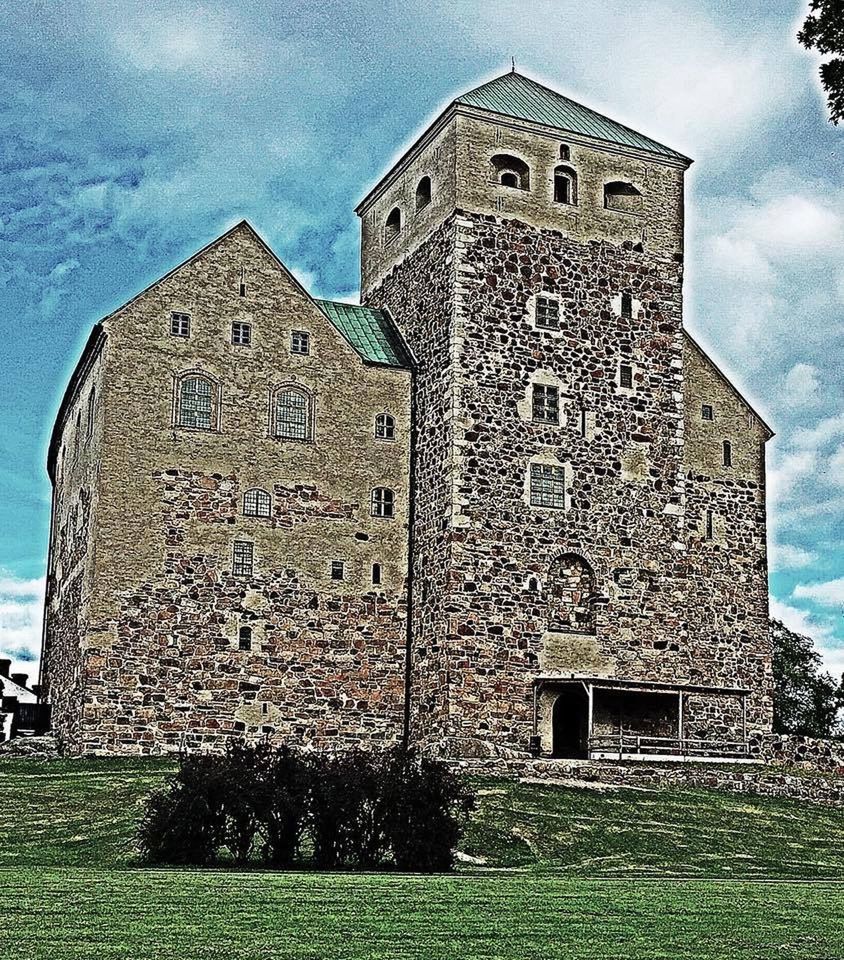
<point x="807" y="701"/>
<point x="823" y="30"/>
<point x="358" y="810"/>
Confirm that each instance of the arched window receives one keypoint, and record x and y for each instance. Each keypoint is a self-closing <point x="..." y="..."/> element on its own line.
<point x="385" y="427"/>
<point x="392" y="227"/>
<point x="92" y="403"/>
<point x="423" y="193"/>
<point x="510" y="171"/>
<point x="565" y="185"/>
<point x="382" y="502"/>
<point x="257" y="503"/>
<point x="291" y="414"/>
<point x="244" y="638"/>
<point x="196" y="400"/>
<point x="623" y="197"/>
<point x="571" y="595"/>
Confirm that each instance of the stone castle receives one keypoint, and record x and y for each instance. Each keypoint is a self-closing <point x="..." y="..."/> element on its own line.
<point x="507" y="505"/>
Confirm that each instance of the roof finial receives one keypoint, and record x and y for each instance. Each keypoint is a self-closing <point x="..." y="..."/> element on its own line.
<point x="513" y="61"/>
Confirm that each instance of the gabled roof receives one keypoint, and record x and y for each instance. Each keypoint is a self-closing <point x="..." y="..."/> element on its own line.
<point x="371" y="332"/>
<point x="513" y="95"/>
<point x="720" y="373"/>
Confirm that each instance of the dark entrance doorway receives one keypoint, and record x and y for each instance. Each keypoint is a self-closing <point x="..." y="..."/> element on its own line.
<point x="569" y="722"/>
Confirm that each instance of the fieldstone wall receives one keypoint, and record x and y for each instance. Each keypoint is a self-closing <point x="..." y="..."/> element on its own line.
<point x="144" y="653"/>
<point x="757" y="781"/>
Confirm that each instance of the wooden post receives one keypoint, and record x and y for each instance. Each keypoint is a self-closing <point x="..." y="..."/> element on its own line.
<point x="680" y="720"/>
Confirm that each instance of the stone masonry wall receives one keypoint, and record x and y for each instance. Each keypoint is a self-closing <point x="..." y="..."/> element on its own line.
<point x="726" y="571"/>
<point x="159" y="660"/>
<point x="419" y="294"/>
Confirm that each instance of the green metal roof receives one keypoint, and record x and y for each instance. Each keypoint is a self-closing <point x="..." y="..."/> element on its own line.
<point x="371" y="332"/>
<point x="516" y="96"/>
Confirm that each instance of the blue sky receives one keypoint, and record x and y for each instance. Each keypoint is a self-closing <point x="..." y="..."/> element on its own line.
<point x="135" y="132"/>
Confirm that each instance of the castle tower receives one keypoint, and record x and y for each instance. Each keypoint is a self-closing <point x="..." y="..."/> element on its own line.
<point x="531" y="251"/>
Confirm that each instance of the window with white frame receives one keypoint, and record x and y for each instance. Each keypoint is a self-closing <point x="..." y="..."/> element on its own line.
<point x="242" y="558"/>
<point x="300" y="342"/>
<point x="257" y="503"/>
<point x="545" y="404"/>
<point x="180" y="324"/>
<point x="382" y="502"/>
<point x="291" y="414"/>
<point x="385" y="427"/>
<point x="241" y="334"/>
<point x="548" y="313"/>
<point x="196" y="399"/>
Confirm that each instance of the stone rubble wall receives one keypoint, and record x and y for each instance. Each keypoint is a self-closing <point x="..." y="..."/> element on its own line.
<point x="752" y="780"/>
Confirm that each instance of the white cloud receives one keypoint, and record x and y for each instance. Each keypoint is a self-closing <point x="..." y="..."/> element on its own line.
<point x="784" y="556"/>
<point x="21" y="611"/>
<point x="828" y="594"/>
<point x="801" y="383"/>
<point x="825" y="431"/>
<point x="791" y="468"/>
<point x="800" y="621"/>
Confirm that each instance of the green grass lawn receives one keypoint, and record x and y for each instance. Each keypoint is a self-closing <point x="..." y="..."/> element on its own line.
<point x="564" y="873"/>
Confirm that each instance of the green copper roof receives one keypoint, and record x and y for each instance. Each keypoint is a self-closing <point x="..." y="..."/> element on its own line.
<point x="516" y="96"/>
<point x="371" y="332"/>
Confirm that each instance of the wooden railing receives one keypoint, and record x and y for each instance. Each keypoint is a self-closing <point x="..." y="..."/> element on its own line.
<point x="632" y="745"/>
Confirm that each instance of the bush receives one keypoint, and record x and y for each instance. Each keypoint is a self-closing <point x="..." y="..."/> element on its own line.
<point x="426" y="803"/>
<point x="358" y="810"/>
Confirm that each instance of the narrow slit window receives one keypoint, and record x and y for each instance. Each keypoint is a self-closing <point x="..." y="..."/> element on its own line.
<point x="708" y="524"/>
<point x="627" y="305"/>
<point x="241" y="334"/>
<point x="244" y="637"/>
<point x="583" y="421"/>
<point x="242" y="558"/>
<point x="243" y="281"/>
<point x="382" y="503"/>
<point x="625" y="376"/>
<point x="376" y="573"/>
<point x="92" y="405"/>
<point x="728" y="453"/>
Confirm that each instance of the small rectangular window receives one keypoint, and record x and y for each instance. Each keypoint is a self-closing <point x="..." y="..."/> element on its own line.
<point x="625" y="376"/>
<point x="548" y="313"/>
<point x="242" y="558"/>
<point x="180" y="324"/>
<point x="706" y="412"/>
<point x="547" y="486"/>
<point x="546" y="404"/>
<point x="300" y="342"/>
<point x="376" y="573"/>
<point x="338" y="569"/>
<point x="245" y="638"/>
<point x="241" y="334"/>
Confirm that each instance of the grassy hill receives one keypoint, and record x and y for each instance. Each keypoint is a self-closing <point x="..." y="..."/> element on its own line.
<point x="548" y="872"/>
